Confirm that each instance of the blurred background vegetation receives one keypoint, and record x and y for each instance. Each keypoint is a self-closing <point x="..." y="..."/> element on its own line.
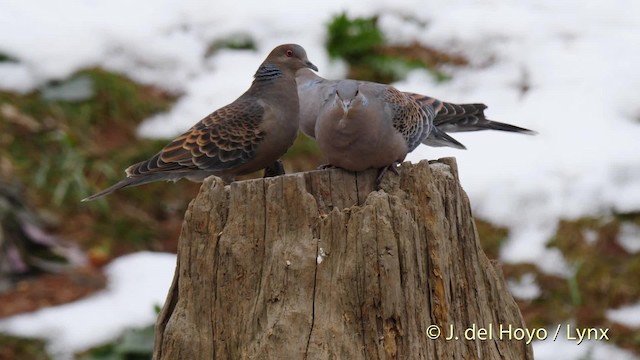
<point x="74" y="136"/>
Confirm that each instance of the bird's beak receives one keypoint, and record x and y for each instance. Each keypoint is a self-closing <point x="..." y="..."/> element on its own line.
<point x="346" y="105"/>
<point x="310" y="65"/>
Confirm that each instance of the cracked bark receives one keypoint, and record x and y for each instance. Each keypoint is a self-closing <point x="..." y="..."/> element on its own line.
<point x="249" y="285"/>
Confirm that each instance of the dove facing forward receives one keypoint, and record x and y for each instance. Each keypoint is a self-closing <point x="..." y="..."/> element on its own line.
<point x="361" y="124"/>
<point x="247" y="135"/>
<point x="369" y="125"/>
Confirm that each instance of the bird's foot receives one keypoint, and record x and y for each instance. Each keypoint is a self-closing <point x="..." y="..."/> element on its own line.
<point x="274" y="169"/>
<point x="382" y="171"/>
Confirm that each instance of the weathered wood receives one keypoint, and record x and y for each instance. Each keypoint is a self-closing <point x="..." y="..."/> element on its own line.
<point x="318" y="265"/>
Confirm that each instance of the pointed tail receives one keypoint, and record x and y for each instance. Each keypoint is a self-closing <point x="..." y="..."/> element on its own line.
<point x="464" y="117"/>
<point x="130" y="181"/>
<point x="470" y="117"/>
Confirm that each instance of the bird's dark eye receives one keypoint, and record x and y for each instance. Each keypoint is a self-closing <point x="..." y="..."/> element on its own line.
<point x="289" y="53"/>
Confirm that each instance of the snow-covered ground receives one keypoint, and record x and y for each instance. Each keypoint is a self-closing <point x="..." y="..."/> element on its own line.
<point x="136" y="284"/>
<point x="578" y="60"/>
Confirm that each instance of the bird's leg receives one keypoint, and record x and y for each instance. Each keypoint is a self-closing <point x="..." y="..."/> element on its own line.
<point x="274" y="169"/>
<point x="382" y="171"/>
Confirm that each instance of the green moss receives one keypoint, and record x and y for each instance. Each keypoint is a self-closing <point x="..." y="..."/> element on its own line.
<point x="7" y="58"/>
<point x="303" y="155"/>
<point x="236" y="42"/>
<point x="362" y="45"/>
<point x="303" y="146"/>
<point x="603" y="268"/>
<point x="62" y="151"/>
<point x="630" y="216"/>
<point x="134" y="344"/>
<point x="353" y="39"/>
<point x="602" y="279"/>
<point x="12" y="347"/>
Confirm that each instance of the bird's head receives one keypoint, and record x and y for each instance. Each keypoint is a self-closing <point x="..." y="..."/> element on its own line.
<point x="346" y="94"/>
<point x="291" y="56"/>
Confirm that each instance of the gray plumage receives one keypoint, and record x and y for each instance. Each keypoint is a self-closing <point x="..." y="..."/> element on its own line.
<point x="369" y="125"/>
<point x="245" y="136"/>
<point x="361" y="124"/>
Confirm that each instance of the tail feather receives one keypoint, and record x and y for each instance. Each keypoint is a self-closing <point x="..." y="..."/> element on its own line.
<point x="473" y="123"/>
<point x="449" y="111"/>
<point x="126" y="182"/>
<point x="439" y="138"/>
<point x="486" y="124"/>
<point x="470" y="117"/>
<point x="464" y="117"/>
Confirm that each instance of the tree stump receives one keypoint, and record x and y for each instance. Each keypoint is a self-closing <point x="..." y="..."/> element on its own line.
<point x="319" y="265"/>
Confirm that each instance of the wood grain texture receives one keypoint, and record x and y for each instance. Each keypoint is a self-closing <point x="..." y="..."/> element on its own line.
<point x="318" y="265"/>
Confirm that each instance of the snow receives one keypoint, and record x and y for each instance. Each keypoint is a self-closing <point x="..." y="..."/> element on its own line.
<point x="629" y="237"/>
<point x="585" y="159"/>
<point x="136" y="283"/>
<point x="526" y="288"/>
<point x="576" y="58"/>
<point x="626" y="315"/>
<point x="590" y="236"/>
<point x="569" y="350"/>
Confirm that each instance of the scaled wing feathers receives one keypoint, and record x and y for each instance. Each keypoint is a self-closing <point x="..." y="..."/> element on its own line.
<point x="223" y="140"/>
